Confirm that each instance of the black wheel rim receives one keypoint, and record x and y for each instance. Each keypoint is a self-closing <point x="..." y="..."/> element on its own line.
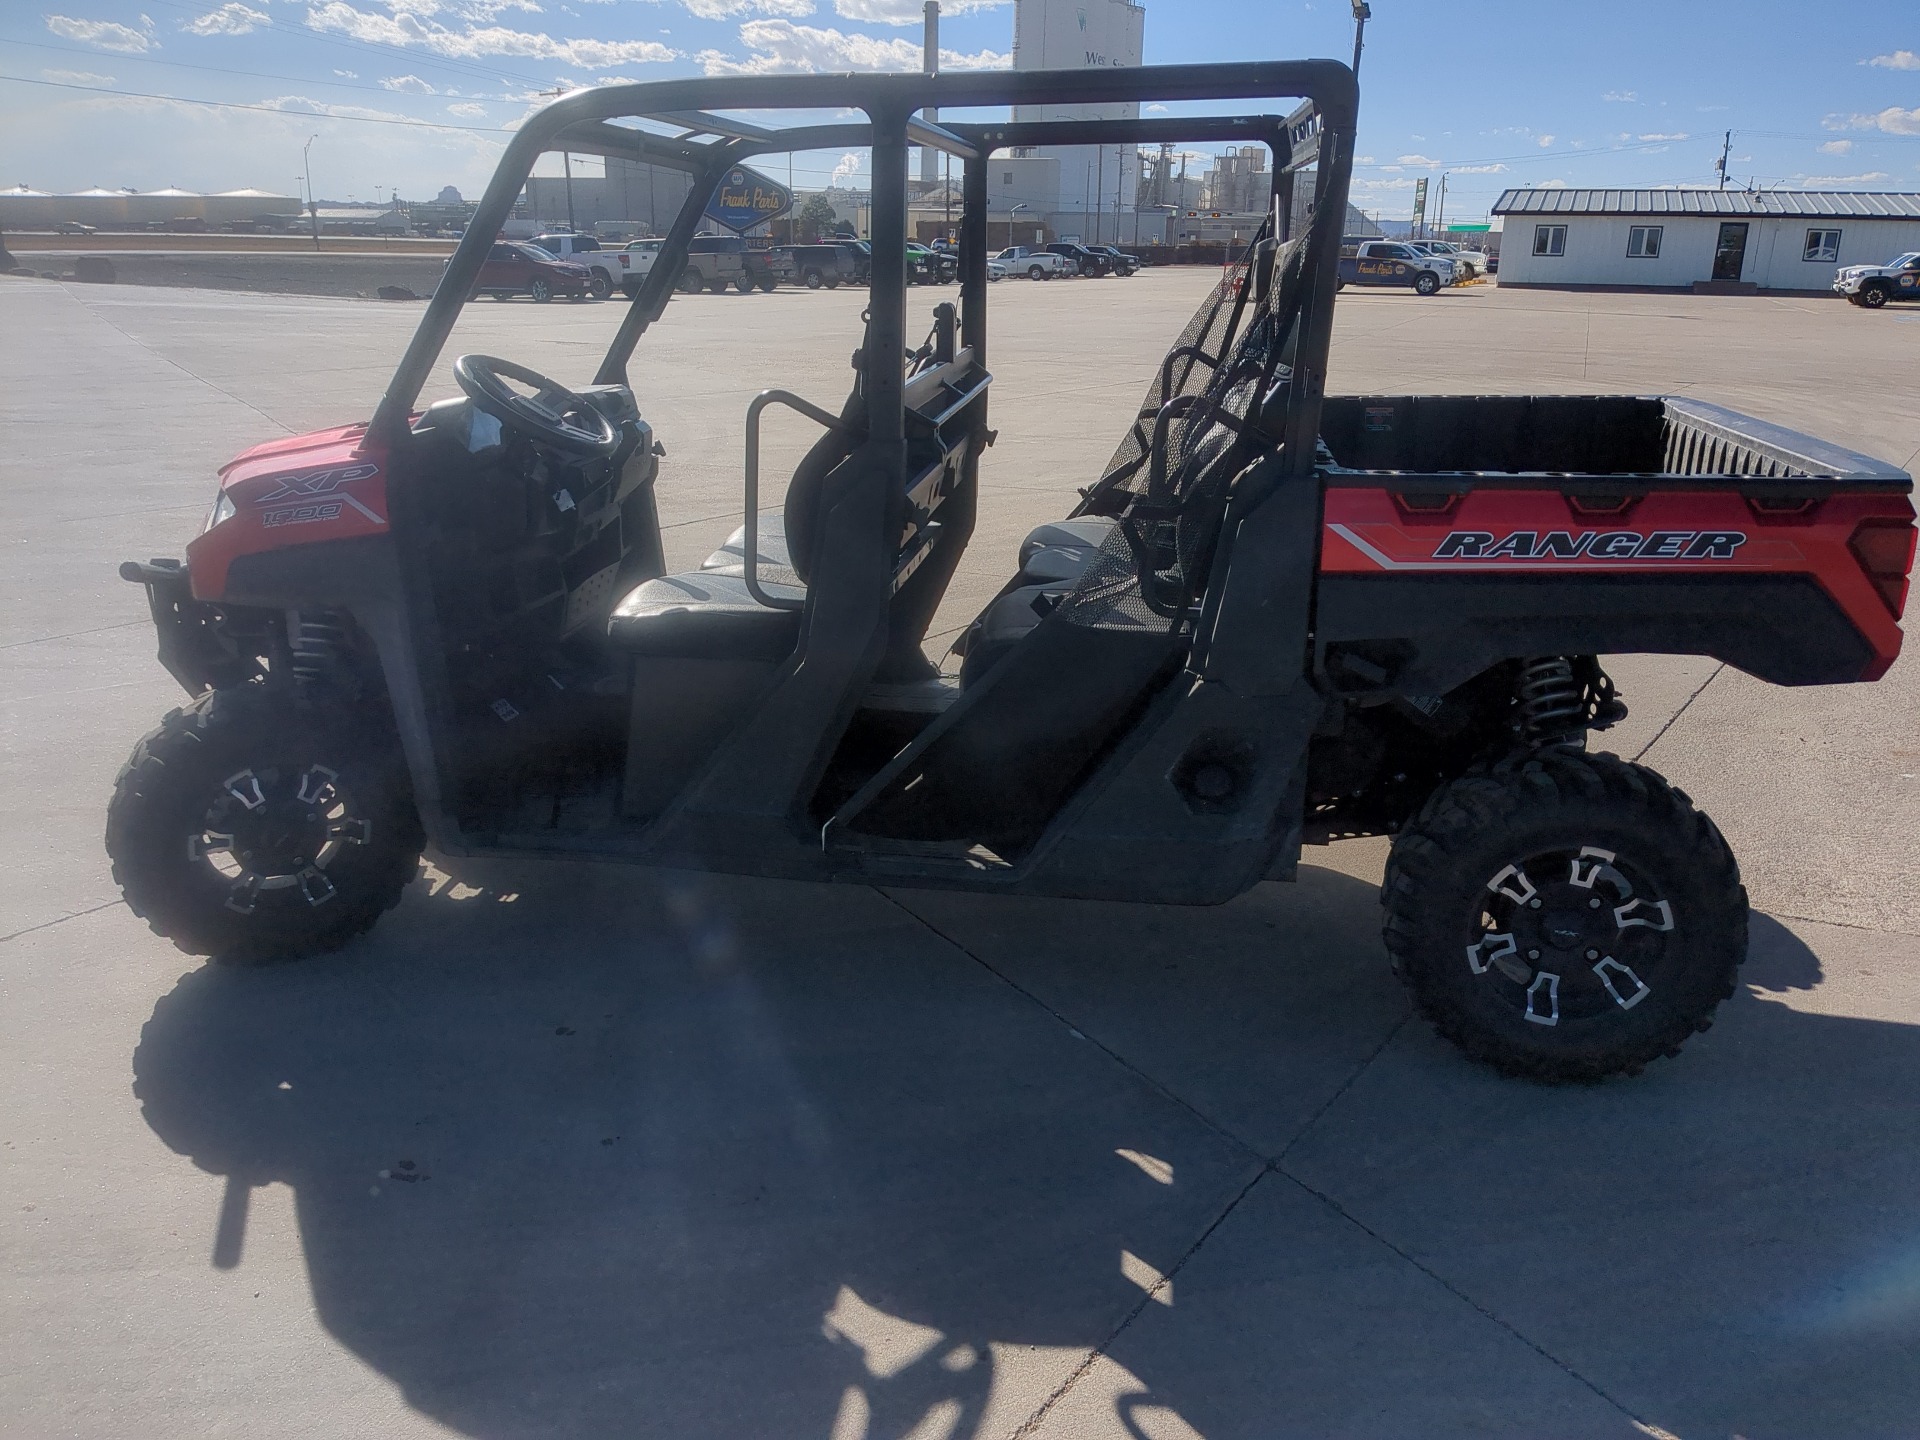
<point x="1571" y="936"/>
<point x="273" y="832"/>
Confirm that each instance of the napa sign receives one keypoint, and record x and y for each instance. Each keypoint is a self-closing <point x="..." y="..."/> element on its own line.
<point x="746" y="198"/>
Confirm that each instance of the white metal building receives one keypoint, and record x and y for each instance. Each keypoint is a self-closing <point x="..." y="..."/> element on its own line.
<point x="1679" y="239"/>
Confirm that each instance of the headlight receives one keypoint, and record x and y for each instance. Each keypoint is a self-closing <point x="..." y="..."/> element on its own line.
<point x="222" y="510"/>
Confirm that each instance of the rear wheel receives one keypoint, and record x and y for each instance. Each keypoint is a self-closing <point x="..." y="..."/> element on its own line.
<point x="1565" y="916"/>
<point x="540" y="290"/>
<point x="251" y="830"/>
<point x="1873" y="295"/>
<point x="768" y="283"/>
<point x="1426" y="283"/>
<point x="1036" y="272"/>
<point x="744" y="284"/>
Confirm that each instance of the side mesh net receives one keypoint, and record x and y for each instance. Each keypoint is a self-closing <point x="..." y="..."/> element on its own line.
<point x="1167" y="483"/>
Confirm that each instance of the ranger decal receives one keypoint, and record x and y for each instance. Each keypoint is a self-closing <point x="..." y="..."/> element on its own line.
<point x="1590" y="545"/>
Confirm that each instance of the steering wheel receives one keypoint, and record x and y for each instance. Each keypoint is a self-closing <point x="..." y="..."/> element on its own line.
<point x="552" y="413"/>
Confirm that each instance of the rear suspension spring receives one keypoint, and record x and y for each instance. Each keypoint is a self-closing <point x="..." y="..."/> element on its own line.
<point x="1553" y="702"/>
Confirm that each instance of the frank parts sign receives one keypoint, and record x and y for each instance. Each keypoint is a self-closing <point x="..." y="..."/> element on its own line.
<point x="746" y="198"/>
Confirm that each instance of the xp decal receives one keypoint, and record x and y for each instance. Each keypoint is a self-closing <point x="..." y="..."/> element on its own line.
<point x="317" y="482"/>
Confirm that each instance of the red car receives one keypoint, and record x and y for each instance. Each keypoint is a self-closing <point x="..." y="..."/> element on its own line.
<point x="520" y="269"/>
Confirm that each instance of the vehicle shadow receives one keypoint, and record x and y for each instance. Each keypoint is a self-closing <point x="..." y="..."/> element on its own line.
<point x="618" y="1151"/>
<point x="621" y="1152"/>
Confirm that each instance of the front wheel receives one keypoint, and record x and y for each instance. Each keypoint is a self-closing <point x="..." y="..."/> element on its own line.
<point x="1874" y="296"/>
<point x="541" y="291"/>
<point x="601" y="285"/>
<point x="251" y="830"/>
<point x="1426" y="283"/>
<point x="1564" y="916"/>
<point x="813" y="279"/>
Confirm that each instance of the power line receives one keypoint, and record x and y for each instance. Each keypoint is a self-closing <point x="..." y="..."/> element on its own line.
<point x="98" y="58"/>
<point x="263" y="109"/>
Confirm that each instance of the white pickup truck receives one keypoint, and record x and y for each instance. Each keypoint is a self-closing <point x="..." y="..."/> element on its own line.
<point x="1032" y="263"/>
<point x="1874" y="285"/>
<point x="612" y="269"/>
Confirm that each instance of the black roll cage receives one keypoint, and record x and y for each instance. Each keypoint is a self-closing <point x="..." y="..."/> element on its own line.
<point x="1319" y="133"/>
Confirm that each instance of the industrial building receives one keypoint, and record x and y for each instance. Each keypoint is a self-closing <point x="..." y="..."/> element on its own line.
<point x="1089" y="191"/>
<point x="22" y="208"/>
<point x="1727" y="241"/>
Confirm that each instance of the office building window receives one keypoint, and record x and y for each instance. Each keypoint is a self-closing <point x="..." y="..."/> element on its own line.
<point x="1822" y="245"/>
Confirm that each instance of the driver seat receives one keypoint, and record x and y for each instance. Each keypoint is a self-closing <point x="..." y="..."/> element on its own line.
<point x="709" y="614"/>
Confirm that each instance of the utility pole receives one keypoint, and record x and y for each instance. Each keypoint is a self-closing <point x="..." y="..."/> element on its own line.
<point x="930" y="64"/>
<point x="1362" y="12"/>
<point x="1726" y="150"/>
<point x="1440" y="219"/>
<point x="313" y="208"/>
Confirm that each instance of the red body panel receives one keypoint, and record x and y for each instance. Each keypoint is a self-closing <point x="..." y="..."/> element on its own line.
<point x="298" y="491"/>
<point x="1373" y="531"/>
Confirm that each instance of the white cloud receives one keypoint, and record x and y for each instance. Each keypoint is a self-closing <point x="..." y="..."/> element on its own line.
<point x="1898" y="60"/>
<point x="905" y="12"/>
<point x="1893" y="120"/>
<point x="468" y="109"/>
<point x="1156" y="108"/>
<point x="1545" y="141"/>
<point x="1550" y="185"/>
<point x="1479" y="169"/>
<point x="780" y="45"/>
<point x="1622" y="97"/>
<point x="1861" y="179"/>
<point x="406" y="28"/>
<point x="76" y="77"/>
<point x="230" y="19"/>
<point x="1425" y="161"/>
<point x="847" y="167"/>
<point x="104" y="33"/>
<point x="724" y="9"/>
<point x="348" y="74"/>
<point x="1363" y="160"/>
<point x="1837" y="147"/>
<point x="1681" y="136"/>
<point x="408" y="85"/>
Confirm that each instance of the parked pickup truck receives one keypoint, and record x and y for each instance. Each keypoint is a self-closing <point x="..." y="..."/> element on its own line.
<point x="1082" y="259"/>
<point x="720" y="262"/>
<point x="1034" y="264"/>
<point x="611" y="268"/>
<point x="639" y="263"/>
<point x="1469" y="262"/>
<point x="1393" y="263"/>
<point x="815" y="266"/>
<point x="1874" y="285"/>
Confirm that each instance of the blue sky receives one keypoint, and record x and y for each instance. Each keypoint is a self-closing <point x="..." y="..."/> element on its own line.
<point x="1495" y="93"/>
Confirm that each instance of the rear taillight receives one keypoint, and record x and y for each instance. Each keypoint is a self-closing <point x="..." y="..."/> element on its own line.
<point x="1884" y="549"/>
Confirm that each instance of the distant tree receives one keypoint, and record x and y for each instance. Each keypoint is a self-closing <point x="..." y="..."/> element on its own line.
<point x="816" y="218"/>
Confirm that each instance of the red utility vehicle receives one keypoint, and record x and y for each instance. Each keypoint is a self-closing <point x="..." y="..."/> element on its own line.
<point x="1274" y="618"/>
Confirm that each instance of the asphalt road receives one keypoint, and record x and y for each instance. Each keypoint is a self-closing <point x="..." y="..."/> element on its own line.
<point x="583" y="1151"/>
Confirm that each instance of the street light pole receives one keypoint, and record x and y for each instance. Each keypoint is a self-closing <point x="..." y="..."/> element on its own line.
<point x="313" y="209"/>
<point x="1362" y="12"/>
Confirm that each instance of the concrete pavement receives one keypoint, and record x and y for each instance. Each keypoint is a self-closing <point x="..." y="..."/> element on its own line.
<point x="579" y="1151"/>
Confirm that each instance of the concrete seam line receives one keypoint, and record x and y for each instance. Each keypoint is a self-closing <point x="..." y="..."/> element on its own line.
<point x="75" y="634"/>
<point x="1838" y="924"/>
<point x="1075" y="1030"/>
<point x="1345" y="1085"/>
<point x="218" y="390"/>
<point x="1092" y="1357"/>
<point x="1645" y="1427"/>
<point x="61" y="920"/>
<point x="1661" y="733"/>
